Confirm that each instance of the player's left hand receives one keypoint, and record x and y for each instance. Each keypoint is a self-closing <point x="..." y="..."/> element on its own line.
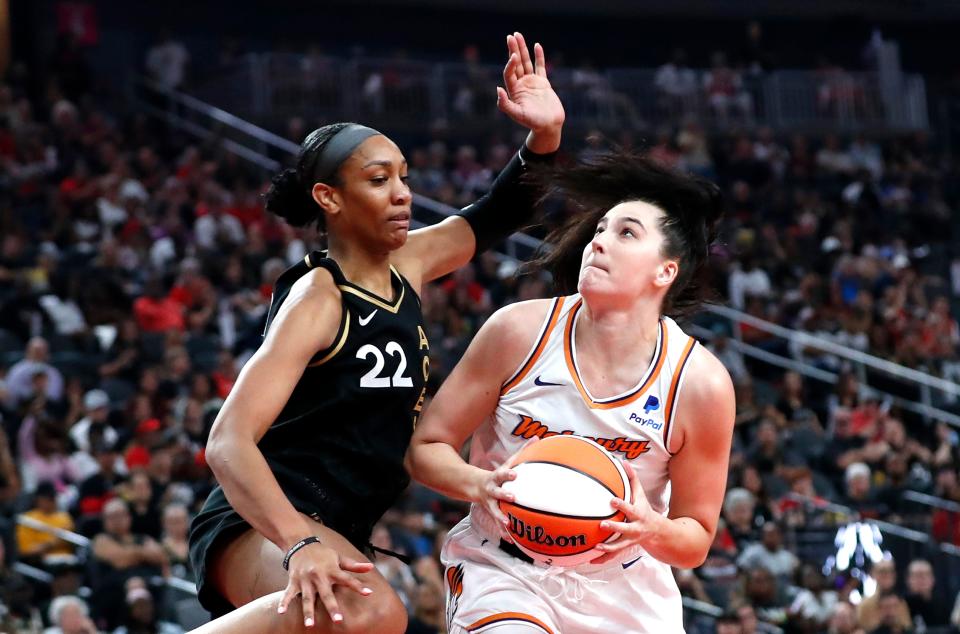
<point x="633" y="531"/>
<point x="527" y="96"/>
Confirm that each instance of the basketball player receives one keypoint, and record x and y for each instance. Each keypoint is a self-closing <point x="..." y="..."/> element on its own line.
<point x="607" y="362"/>
<point x="308" y="449"/>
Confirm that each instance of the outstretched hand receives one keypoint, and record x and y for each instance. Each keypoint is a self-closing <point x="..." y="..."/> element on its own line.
<point x="527" y="96"/>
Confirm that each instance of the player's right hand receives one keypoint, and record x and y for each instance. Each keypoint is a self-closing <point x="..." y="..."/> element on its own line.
<point x="314" y="571"/>
<point x="491" y="491"/>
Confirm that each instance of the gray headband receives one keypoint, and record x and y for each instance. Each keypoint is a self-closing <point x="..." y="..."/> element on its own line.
<point x="325" y="162"/>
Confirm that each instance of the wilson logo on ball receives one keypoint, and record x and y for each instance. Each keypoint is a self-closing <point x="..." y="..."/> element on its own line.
<point x="562" y="492"/>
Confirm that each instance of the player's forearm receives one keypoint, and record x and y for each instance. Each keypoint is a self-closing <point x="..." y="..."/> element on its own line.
<point x="438" y="466"/>
<point x="682" y="542"/>
<point x="253" y="491"/>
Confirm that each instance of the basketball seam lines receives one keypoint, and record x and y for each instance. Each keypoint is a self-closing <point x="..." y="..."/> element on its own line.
<point x="583" y="473"/>
<point x="564" y="515"/>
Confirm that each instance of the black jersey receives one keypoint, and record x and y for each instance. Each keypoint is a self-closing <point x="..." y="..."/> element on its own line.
<point x="339" y="442"/>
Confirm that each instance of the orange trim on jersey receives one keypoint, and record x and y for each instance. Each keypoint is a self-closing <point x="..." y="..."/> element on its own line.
<point x="623" y="400"/>
<point x="672" y="394"/>
<point x="508" y="616"/>
<point x="538" y="350"/>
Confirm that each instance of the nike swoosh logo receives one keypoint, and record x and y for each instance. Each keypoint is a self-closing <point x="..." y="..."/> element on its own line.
<point x="366" y="320"/>
<point x="627" y="564"/>
<point x="537" y="381"/>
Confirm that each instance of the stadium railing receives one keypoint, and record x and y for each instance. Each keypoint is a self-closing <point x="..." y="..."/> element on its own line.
<point x="401" y="93"/>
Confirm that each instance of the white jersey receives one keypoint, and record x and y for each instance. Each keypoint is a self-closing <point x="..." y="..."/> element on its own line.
<point x="545" y="397"/>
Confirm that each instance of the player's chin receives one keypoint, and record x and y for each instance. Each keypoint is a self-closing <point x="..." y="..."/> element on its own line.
<point x="395" y="237"/>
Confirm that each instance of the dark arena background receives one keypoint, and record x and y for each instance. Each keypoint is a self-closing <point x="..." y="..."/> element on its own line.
<point x="136" y="265"/>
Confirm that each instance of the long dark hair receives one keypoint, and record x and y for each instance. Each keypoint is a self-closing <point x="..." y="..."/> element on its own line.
<point x="691" y="208"/>
<point x="289" y="195"/>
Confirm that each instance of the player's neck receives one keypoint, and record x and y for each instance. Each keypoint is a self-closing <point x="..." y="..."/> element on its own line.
<point x="619" y="330"/>
<point x="368" y="270"/>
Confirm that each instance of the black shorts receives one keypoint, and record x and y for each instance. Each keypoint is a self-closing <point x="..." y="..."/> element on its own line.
<point x="218" y="522"/>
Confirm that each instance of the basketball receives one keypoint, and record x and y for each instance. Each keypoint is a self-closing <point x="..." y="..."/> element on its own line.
<point x="562" y="493"/>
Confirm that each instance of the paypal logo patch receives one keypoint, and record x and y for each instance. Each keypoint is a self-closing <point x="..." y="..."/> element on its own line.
<point x="653" y="403"/>
<point x="645" y="422"/>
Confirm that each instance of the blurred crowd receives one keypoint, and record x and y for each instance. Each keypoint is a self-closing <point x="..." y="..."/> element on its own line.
<point x="136" y="269"/>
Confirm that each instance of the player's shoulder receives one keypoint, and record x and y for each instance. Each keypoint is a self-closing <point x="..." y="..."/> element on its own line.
<point x="707" y="379"/>
<point x="312" y="305"/>
<point x="520" y="321"/>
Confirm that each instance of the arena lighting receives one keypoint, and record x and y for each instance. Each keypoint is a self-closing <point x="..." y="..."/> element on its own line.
<point x="857" y="543"/>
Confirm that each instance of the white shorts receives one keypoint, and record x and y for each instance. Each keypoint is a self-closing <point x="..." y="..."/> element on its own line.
<point x="488" y="589"/>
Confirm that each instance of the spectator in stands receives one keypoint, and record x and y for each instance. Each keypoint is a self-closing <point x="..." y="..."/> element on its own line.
<point x="888" y="608"/>
<point x="676" y="85"/>
<point x="118" y="555"/>
<point x="884" y="573"/>
<point x="724" y="90"/>
<point x="96" y="404"/>
<point x="843" y="620"/>
<point x="43" y="454"/>
<point x="138" y="493"/>
<point x="812" y="606"/>
<point x="98" y="487"/>
<point x="167" y="61"/>
<point x="861" y="495"/>
<point x="35" y="545"/>
<point x="69" y="615"/>
<point x="141" y="615"/>
<point x="927" y="607"/>
<point x="739" y="508"/>
<point x="761" y="590"/>
<point x="157" y="312"/>
<point x="20" y="376"/>
<point x="176" y="522"/>
<point x="769" y="553"/>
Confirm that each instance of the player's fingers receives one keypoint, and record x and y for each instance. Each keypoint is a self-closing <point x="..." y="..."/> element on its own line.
<point x="612" y="547"/>
<point x="617" y="527"/>
<point x="353" y="583"/>
<point x="288" y="595"/>
<point x="510" y="77"/>
<point x="506" y="106"/>
<point x="329" y="601"/>
<point x="307" y="598"/>
<point x="503" y="473"/>
<point x="628" y="509"/>
<point x="356" y="566"/>
<point x="514" y="48"/>
<point x="541" y="64"/>
<point x="524" y="54"/>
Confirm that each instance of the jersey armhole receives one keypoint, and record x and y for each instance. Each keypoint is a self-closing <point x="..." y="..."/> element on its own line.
<point x="675" y="386"/>
<point x="331" y="351"/>
<point x="549" y="322"/>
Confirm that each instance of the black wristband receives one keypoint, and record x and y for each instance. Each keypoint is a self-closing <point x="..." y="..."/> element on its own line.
<point x="509" y="205"/>
<point x="306" y="541"/>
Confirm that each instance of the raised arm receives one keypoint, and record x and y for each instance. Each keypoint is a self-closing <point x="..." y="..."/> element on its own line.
<point x="528" y="98"/>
